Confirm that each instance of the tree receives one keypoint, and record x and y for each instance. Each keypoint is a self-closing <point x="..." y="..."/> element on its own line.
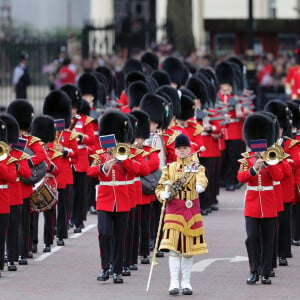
<point x="179" y="14"/>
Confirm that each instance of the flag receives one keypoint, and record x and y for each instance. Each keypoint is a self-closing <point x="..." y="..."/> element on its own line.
<point x="20" y="145"/>
<point x="59" y="124"/>
<point x="259" y="145"/>
<point x="107" y="141"/>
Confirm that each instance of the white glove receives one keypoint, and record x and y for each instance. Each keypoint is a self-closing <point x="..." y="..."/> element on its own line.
<point x="165" y="195"/>
<point x="199" y="188"/>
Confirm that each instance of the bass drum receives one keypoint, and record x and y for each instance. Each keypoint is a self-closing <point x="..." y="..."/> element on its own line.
<point x="45" y="194"/>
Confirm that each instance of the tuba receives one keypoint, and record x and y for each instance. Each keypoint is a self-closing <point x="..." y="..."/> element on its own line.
<point x="121" y="151"/>
<point x="4" y="150"/>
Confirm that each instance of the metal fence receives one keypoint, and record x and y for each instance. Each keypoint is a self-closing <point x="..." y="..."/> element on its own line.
<point x="42" y="51"/>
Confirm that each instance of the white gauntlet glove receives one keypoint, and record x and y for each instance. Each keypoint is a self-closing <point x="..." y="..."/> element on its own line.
<point x="165" y="195"/>
<point x="199" y="188"/>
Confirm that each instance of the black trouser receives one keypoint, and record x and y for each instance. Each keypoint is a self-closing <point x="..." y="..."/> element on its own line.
<point x="230" y="163"/>
<point x="49" y="216"/>
<point x="145" y="229"/>
<point x="69" y="204"/>
<point x="218" y="176"/>
<point x="3" y="228"/>
<point x="136" y="235"/>
<point x="12" y="233"/>
<point x="129" y="238"/>
<point x="24" y="232"/>
<point x="92" y="182"/>
<point x="155" y="215"/>
<point x="79" y="196"/>
<point x="112" y="225"/>
<point x="284" y="232"/>
<point x="275" y="242"/>
<point x="296" y="222"/>
<point x="34" y="229"/>
<point x="61" y="221"/>
<point x="259" y="244"/>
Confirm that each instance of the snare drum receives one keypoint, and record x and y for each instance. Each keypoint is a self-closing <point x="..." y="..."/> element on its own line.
<point x="44" y="196"/>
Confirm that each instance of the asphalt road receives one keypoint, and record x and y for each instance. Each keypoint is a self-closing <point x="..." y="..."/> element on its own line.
<point x="70" y="272"/>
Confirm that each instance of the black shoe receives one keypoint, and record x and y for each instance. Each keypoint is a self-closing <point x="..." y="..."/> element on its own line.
<point x="296" y="242"/>
<point x="81" y="225"/>
<point x="117" y="278"/>
<point x="22" y="261"/>
<point x="30" y="254"/>
<point x="34" y="248"/>
<point x="214" y="207"/>
<point x="93" y="210"/>
<point x="272" y="273"/>
<point x="187" y="291"/>
<point x="47" y="248"/>
<point x="145" y="260"/>
<point x="104" y="275"/>
<point x="110" y="270"/>
<point x="230" y="188"/>
<point x="283" y="261"/>
<point x="253" y="278"/>
<point x="174" y="292"/>
<point x="133" y="267"/>
<point x="209" y="210"/>
<point x="11" y="266"/>
<point x="265" y="280"/>
<point x="126" y="272"/>
<point x="77" y="229"/>
<point x="238" y="185"/>
<point x="60" y="242"/>
<point x="159" y="254"/>
<point x="204" y="212"/>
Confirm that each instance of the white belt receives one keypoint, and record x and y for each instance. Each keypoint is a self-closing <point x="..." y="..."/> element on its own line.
<point x="234" y="120"/>
<point x="137" y="179"/>
<point x="276" y="182"/>
<point x="261" y="188"/>
<point x="96" y="132"/>
<point x="18" y="179"/>
<point x="298" y="91"/>
<point x="113" y="183"/>
<point x="82" y="146"/>
<point x="3" y="186"/>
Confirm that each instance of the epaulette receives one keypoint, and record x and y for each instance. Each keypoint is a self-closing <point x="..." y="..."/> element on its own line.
<point x="88" y="120"/>
<point x="11" y="160"/>
<point x="293" y="143"/>
<point x="245" y="154"/>
<point x="100" y="151"/>
<point x="56" y="154"/>
<point x="33" y="140"/>
<point x="172" y="137"/>
<point x="137" y="152"/>
<point x="73" y="136"/>
<point x="94" y="156"/>
<point x="145" y="153"/>
<point x="244" y="164"/>
<point x="198" y="130"/>
<point x="153" y="149"/>
<point x="24" y="156"/>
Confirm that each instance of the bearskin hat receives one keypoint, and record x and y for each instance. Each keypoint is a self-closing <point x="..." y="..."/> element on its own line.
<point x="85" y="108"/>
<point x="212" y="92"/>
<point x="188" y="93"/>
<point x="13" y="130"/>
<point x="275" y="120"/>
<point x="161" y="77"/>
<point x="281" y="110"/>
<point x="136" y="91"/>
<point x="133" y="77"/>
<point x="117" y="123"/>
<point x="235" y="60"/>
<point x="22" y="110"/>
<point x="106" y="72"/>
<point x="3" y="131"/>
<point x="131" y="65"/>
<point x="133" y="123"/>
<point x="295" y="109"/>
<point x="252" y="129"/>
<point x="74" y="94"/>
<point x="174" y="96"/>
<point x="198" y="87"/>
<point x="43" y="127"/>
<point x="169" y="109"/>
<point x="58" y="105"/>
<point x="151" y="84"/>
<point x="143" y="127"/>
<point x="237" y="78"/>
<point x="175" y="69"/>
<point x="187" y="108"/>
<point x="150" y="59"/>
<point x="225" y="73"/>
<point x="88" y="85"/>
<point x="155" y="106"/>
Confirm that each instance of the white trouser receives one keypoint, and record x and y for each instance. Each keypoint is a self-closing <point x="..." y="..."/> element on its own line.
<point x="174" y="266"/>
<point x="186" y="269"/>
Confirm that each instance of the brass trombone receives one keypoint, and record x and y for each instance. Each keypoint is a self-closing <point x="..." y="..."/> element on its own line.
<point x="121" y="151"/>
<point x="4" y="150"/>
<point x="274" y="155"/>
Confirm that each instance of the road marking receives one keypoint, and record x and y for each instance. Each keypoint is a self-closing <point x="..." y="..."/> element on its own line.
<point x="57" y="248"/>
<point x="201" y="265"/>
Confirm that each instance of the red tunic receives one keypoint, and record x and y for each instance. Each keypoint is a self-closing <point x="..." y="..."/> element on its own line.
<point x="259" y="204"/>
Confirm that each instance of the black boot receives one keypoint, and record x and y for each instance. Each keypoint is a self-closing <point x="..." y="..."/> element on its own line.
<point x="265" y="280"/>
<point x="104" y="275"/>
<point x="117" y="278"/>
<point x="283" y="261"/>
<point x="253" y="278"/>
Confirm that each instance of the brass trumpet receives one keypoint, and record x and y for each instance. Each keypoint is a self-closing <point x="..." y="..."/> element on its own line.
<point x="121" y="151"/>
<point x="274" y="155"/>
<point x="4" y="150"/>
